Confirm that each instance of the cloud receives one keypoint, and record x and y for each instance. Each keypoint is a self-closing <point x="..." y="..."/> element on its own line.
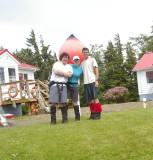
<point x="91" y="21"/>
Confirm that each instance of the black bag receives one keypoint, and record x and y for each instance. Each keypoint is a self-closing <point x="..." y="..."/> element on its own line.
<point x="50" y="84"/>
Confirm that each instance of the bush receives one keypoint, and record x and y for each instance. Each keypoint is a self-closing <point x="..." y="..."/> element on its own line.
<point x="24" y="109"/>
<point x="116" y="95"/>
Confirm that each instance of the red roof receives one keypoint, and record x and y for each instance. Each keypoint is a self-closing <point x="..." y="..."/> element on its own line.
<point x="21" y="64"/>
<point x="5" y="50"/>
<point x="27" y="65"/>
<point x="146" y="61"/>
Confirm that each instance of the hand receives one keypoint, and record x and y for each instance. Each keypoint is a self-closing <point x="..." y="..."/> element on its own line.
<point x="96" y="84"/>
<point x="68" y="74"/>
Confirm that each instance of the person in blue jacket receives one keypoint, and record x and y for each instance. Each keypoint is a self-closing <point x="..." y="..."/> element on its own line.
<point x="72" y="88"/>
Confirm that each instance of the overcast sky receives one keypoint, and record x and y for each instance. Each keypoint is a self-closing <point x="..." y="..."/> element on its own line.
<point x="91" y="21"/>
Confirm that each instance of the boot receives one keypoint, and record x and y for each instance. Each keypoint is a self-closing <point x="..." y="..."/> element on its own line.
<point x="97" y="115"/>
<point x="92" y="115"/>
<point x="53" y="115"/>
<point x="77" y="113"/>
<point x="64" y="114"/>
<point x="92" y="110"/>
<point x="98" y="110"/>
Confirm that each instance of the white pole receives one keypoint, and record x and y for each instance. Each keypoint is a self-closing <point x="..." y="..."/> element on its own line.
<point x="144" y="102"/>
<point x="78" y="102"/>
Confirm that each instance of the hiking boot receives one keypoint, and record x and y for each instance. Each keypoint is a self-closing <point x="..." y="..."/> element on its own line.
<point x="92" y="115"/>
<point x="77" y="113"/>
<point x="64" y="114"/>
<point x="53" y="115"/>
<point x="97" y="115"/>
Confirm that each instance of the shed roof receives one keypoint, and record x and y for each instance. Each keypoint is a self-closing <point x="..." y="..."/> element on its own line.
<point x="145" y="62"/>
<point x="21" y="64"/>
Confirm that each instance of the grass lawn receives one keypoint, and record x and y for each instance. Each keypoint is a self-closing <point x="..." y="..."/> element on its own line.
<point x="126" y="135"/>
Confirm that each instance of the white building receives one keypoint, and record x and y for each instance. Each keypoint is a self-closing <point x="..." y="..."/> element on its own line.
<point x="11" y="69"/>
<point x="144" y="69"/>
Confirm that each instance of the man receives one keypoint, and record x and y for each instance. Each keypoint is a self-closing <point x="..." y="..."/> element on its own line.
<point x="91" y="76"/>
<point x="58" y="90"/>
<point x="73" y="85"/>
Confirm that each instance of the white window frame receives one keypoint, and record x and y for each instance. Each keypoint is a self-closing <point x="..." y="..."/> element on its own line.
<point x="12" y="78"/>
<point x="2" y="79"/>
<point x="149" y="76"/>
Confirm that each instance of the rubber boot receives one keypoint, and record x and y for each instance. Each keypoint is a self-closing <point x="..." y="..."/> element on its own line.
<point x="77" y="113"/>
<point x="98" y="110"/>
<point x="92" y="109"/>
<point x="64" y="114"/>
<point x="92" y="115"/>
<point x="97" y="115"/>
<point x="53" y="115"/>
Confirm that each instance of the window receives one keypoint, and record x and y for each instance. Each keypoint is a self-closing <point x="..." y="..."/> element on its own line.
<point x="149" y="76"/>
<point x="23" y="76"/>
<point x="12" y="75"/>
<point x="2" y="78"/>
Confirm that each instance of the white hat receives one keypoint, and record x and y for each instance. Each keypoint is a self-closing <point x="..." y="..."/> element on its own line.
<point x="76" y="57"/>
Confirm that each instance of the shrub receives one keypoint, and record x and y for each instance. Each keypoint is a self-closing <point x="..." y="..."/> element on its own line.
<point x="116" y="95"/>
<point x="24" y="109"/>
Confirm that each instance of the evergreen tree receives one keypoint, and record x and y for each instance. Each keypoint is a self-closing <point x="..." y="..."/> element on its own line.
<point x="41" y="58"/>
<point x="97" y="52"/>
<point x="131" y="78"/>
<point x="119" y="62"/>
<point x="109" y="63"/>
<point x="114" y="66"/>
<point x="140" y="43"/>
<point x="143" y="43"/>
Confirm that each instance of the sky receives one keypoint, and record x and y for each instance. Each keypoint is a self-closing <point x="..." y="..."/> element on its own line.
<point x="91" y="21"/>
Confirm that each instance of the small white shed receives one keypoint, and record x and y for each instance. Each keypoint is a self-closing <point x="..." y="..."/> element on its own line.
<point x="144" y="69"/>
<point x="11" y="69"/>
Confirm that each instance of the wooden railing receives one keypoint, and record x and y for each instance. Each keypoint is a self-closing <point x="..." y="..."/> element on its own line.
<point x="25" y="90"/>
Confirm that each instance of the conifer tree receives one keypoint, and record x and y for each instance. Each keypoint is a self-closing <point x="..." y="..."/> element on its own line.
<point x="119" y="60"/>
<point x="143" y="43"/>
<point x="114" y="66"/>
<point x="41" y="58"/>
<point x="131" y="79"/>
<point x="109" y="66"/>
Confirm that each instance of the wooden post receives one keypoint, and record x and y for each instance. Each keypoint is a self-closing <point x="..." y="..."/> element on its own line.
<point x="1" y="97"/>
<point x="29" y="108"/>
<point x="20" y="90"/>
<point x="38" y="89"/>
<point x="47" y="89"/>
<point x="28" y="90"/>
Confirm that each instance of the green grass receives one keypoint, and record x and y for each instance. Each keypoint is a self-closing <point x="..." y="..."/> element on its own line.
<point x="124" y="135"/>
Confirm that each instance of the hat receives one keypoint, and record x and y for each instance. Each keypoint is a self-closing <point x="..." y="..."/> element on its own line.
<point x="76" y="57"/>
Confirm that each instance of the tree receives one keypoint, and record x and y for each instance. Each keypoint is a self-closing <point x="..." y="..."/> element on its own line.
<point x="114" y="67"/>
<point x="41" y="58"/>
<point x="143" y="43"/>
<point x="119" y="60"/>
<point x="109" y="62"/>
<point x="131" y="79"/>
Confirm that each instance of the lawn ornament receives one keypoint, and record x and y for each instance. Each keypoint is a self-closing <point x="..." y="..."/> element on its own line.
<point x="73" y="47"/>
